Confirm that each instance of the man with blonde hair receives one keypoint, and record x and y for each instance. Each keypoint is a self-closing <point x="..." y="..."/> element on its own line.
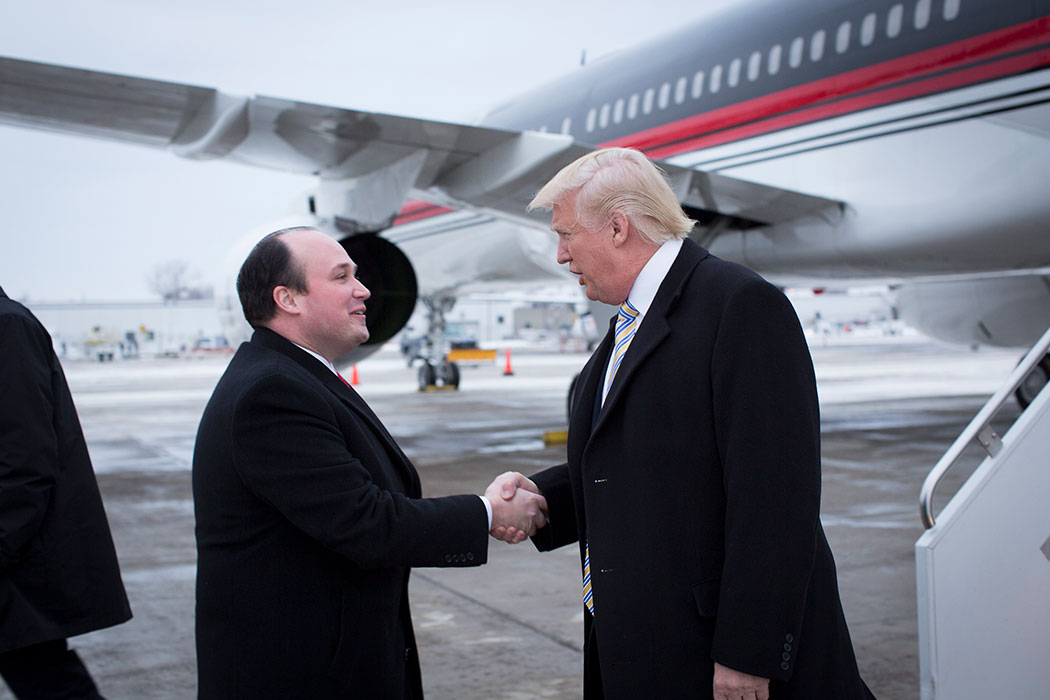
<point x="693" y="476"/>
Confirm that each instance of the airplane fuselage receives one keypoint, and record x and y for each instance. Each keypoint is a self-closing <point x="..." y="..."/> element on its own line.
<point x="929" y="119"/>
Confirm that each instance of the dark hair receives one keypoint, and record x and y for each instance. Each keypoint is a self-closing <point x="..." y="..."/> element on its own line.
<point x="269" y="265"/>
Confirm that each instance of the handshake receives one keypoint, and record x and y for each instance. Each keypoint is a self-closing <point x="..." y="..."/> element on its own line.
<point x="518" y="508"/>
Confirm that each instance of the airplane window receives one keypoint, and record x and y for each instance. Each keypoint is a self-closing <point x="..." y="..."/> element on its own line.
<point x="698" y="85"/>
<point x="632" y="106"/>
<point x="734" y="73"/>
<point x="867" y="29"/>
<point x="795" y="57"/>
<point x="647" y="101"/>
<point x="566" y="125"/>
<point x="618" y="111"/>
<point x="665" y="95"/>
<point x="922" y="14"/>
<point x="773" y="66"/>
<point x="603" y="116"/>
<point x="754" y="65"/>
<point x="591" y="117"/>
<point x="842" y="38"/>
<point x="679" y="90"/>
<point x="893" y="21"/>
<point x="716" y="78"/>
<point x="816" y="46"/>
<point x="951" y="10"/>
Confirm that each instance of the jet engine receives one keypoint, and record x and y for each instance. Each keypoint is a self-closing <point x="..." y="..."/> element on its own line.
<point x="1004" y="311"/>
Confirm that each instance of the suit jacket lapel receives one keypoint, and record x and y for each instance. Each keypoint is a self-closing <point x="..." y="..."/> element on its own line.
<point x="350" y="398"/>
<point x="654" y="326"/>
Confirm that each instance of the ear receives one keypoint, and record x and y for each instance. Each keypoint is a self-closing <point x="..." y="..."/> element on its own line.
<point x="621" y="228"/>
<point x="285" y="299"/>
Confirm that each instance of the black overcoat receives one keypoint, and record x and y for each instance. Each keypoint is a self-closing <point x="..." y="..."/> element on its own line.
<point x="697" y="485"/>
<point x="59" y="575"/>
<point x="308" y="519"/>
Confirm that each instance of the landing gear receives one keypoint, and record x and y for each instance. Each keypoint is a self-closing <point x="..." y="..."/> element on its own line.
<point x="426" y="375"/>
<point x="448" y="374"/>
<point x="443" y="375"/>
<point x="436" y="371"/>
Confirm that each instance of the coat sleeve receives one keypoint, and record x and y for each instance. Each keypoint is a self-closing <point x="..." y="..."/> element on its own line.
<point x="28" y="442"/>
<point x="291" y="453"/>
<point x="767" y="428"/>
<point x="560" y="529"/>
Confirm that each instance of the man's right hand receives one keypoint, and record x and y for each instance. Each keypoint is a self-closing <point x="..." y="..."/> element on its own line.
<point x="518" y="508"/>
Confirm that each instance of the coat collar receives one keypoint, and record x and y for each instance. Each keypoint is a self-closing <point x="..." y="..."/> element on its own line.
<point x="650" y="334"/>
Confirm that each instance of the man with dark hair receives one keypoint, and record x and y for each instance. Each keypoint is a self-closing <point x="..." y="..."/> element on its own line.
<point x="270" y="265"/>
<point x="59" y="575"/>
<point x="309" y="516"/>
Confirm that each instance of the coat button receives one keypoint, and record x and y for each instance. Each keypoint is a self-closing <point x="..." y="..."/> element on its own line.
<point x="787" y="647"/>
<point x="470" y="556"/>
<point x="448" y="558"/>
<point x="785" y="666"/>
<point x="788" y="638"/>
<point x="786" y="656"/>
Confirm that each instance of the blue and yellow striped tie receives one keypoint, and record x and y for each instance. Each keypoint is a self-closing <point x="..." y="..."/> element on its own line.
<point x="626" y="324"/>
<point x="625" y="327"/>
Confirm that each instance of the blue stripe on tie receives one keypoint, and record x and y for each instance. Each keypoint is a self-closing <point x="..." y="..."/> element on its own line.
<point x="588" y="594"/>
<point x="625" y="329"/>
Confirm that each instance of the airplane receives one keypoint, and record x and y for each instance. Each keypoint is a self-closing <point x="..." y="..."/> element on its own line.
<point x="900" y="142"/>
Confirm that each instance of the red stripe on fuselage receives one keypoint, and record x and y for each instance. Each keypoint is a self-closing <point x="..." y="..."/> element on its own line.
<point x="414" y="210"/>
<point x="962" y="78"/>
<point x="891" y="81"/>
<point x="693" y="132"/>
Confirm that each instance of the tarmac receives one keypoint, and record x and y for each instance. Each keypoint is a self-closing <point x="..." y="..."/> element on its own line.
<point x="512" y="629"/>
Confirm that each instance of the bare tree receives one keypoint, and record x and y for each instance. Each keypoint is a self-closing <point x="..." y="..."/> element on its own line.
<point x="170" y="280"/>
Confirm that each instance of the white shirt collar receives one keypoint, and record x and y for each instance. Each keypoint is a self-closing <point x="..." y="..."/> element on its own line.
<point x="648" y="281"/>
<point x="322" y="359"/>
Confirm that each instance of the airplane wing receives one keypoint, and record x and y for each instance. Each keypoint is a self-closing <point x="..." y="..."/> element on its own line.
<point x="367" y="163"/>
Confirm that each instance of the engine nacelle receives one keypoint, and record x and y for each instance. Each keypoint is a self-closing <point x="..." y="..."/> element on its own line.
<point x="388" y="274"/>
<point x="381" y="266"/>
<point x="1004" y="311"/>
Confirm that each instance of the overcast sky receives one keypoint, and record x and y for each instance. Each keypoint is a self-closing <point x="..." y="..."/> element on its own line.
<point x="86" y="219"/>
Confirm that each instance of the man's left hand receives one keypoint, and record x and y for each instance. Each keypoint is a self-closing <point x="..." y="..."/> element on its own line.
<point x="737" y="685"/>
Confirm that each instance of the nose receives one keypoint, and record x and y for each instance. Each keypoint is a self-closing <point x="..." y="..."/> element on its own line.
<point x="361" y="292"/>
<point x="563" y="252"/>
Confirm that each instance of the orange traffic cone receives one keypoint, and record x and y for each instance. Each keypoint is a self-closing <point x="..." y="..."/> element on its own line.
<point x="354" y="379"/>
<point x="507" y="371"/>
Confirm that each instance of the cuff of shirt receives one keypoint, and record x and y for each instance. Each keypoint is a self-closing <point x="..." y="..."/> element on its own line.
<point x="488" y="509"/>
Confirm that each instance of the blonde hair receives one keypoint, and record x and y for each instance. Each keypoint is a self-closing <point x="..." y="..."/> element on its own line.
<point x="618" y="179"/>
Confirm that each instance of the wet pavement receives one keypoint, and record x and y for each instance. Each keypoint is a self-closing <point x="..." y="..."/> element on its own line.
<point x="513" y="628"/>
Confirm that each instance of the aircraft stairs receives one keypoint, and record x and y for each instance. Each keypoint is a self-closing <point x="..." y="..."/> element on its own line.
<point x="983" y="566"/>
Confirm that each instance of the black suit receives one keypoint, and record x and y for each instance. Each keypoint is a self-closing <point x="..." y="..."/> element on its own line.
<point x="59" y="575"/>
<point x="697" y="486"/>
<point x="308" y="519"/>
